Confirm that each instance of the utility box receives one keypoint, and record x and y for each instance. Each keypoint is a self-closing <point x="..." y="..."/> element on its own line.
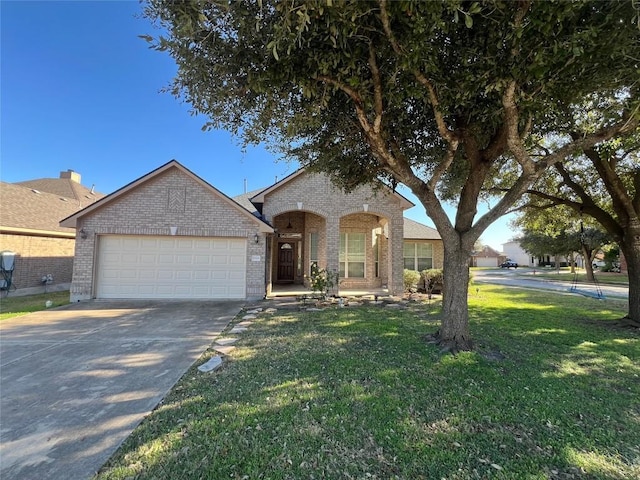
<point x="7" y="265"/>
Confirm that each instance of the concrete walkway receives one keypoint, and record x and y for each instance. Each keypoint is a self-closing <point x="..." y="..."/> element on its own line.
<point x="75" y="381"/>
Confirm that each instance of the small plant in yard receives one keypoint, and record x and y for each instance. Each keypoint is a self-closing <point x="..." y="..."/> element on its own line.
<point x="410" y="280"/>
<point x="433" y="279"/>
<point x="322" y="281"/>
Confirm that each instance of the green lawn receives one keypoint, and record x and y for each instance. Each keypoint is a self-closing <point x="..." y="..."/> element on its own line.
<point x="16" y="306"/>
<point x="358" y="393"/>
<point x="604" y="278"/>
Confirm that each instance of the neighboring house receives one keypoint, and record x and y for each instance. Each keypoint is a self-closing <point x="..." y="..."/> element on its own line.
<point x="30" y="213"/>
<point x="170" y="234"/>
<point x="514" y="252"/>
<point x="487" y="257"/>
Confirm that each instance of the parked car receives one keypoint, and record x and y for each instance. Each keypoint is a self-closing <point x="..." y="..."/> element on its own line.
<point x="598" y="264"/>
<point x="509" y="264"/>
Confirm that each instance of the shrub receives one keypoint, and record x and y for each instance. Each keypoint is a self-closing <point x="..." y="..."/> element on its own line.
<point x="431" y="280"/>
<point x="322" y="281"/>
<point x="411" y="279"/>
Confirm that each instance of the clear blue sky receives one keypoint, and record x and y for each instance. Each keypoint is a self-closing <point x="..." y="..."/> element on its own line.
<point x="81" y="91"/>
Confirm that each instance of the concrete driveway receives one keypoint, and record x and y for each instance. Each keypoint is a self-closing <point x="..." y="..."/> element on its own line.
<point x="75" y="381"/>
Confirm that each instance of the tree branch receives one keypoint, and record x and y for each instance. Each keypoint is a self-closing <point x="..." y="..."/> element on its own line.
<point x="622" y="203"/>
<point x="444" y="131"/>
<point x="355" y="97"/>
<point x="377" y="89"/>
<point x="604" y="218"/>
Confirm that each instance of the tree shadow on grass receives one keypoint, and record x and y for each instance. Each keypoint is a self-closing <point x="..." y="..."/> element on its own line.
<point x="354" y="393"/>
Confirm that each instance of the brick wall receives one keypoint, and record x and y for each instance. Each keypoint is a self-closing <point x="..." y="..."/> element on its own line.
<point x="171" y="198"/>
<point x="38" y="256"/>
<point x="364" y="210"/>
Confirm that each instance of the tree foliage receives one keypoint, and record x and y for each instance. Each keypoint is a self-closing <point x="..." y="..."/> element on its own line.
<point x="440" y="96"/>
<point x="601" y="183"/>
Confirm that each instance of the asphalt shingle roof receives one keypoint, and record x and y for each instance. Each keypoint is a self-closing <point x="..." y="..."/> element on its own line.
<point x="41" y="204"/>
<point x="417" y="231"/>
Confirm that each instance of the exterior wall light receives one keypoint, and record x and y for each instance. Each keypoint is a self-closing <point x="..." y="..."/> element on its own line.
<point x="256" y="237"/>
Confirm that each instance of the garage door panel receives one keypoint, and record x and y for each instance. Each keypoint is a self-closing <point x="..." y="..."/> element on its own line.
<point x="184" y="259"/>
<point x="201" y="259"/>
<point x="200" y="245"/>
<point x="236" y="260"/>
<point x="184" y="276"/>
<point x="144" y="290"/>
<point x="171" y="267"/>
<point x="134" y="242"/>
<point x="128" y="274"/>
<point x="198" y="275"/>
<point x="146" y="275"/>
<point x="144" y="258"/>
<point x="237" y="276"/>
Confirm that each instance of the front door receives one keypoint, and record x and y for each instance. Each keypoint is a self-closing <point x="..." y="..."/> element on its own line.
<point x="285" y="262"/>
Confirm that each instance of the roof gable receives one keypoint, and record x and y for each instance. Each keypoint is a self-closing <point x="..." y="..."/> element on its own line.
<point x="260" y="197"/>
<point x="71" y="220"/>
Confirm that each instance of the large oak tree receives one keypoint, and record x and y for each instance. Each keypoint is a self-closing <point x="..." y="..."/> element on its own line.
<point x="603" y="183"/>
<point x="439" y="96"/>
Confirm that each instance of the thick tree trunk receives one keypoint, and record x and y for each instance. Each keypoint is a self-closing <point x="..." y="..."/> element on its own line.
<point x="630" y="246"/>
<point x="454" y="333"/>
<point x="588" y="264"/>
<point x="572" y="262"/>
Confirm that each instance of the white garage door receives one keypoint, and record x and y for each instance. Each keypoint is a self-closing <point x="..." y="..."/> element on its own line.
<point x="171" y="267"/>
<point x="486" y="261"/>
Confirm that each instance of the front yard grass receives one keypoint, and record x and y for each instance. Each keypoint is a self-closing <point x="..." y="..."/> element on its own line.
<point x="16" y="306"/>
<point x="552" y="392"/>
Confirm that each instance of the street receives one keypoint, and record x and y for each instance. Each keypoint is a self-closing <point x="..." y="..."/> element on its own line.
<point x="526" y="278"/>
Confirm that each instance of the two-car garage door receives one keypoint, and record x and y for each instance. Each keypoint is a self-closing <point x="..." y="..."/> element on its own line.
<point x="171" y="267"/>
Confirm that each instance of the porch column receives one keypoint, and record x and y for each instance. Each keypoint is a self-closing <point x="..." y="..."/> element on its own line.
<point x="333" y="247"/>
<point x="396" y="254"/>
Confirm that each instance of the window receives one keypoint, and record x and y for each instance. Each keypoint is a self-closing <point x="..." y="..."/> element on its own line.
<point x="352" y="254"/>
<point x="313" y="252"/>
<point x="418" y="256"/>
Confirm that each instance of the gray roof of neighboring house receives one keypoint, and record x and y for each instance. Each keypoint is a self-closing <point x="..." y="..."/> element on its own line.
<point x="417" y="231"/>
<point x="40" y="204"/>
<point x="65" y="188"/>
<point x="486" y="251"/>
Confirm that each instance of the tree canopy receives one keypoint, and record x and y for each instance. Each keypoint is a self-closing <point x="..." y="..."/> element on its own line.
<point x="601" y="183"/>
<point x="440" y="96"/>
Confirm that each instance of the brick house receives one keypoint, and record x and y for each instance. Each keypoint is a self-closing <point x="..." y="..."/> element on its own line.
<point x="30" y="213"/>
<point x="170" y="234"/>
<point x="487" y="257"/>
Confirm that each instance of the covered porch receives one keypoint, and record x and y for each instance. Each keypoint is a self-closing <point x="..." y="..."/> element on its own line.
<point x="356" y="246"/>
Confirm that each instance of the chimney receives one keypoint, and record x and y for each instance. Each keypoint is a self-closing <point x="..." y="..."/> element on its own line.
<point x="70" y="174"/>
